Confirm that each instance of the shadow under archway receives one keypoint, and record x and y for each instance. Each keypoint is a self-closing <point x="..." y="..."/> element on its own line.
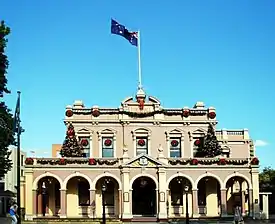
<point x="144" y="197"/>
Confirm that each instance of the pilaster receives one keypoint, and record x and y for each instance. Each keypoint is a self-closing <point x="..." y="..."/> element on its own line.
<point x="195" y="207"/>
<point x="223" y="202"/>
<point x="126" y="212"/>
<point x="256" y="198"/>
<point x="92" y="213"/>
<point x="63" y="203"/>
<point x="29" y="193"/>
<point x="162" y="211"/>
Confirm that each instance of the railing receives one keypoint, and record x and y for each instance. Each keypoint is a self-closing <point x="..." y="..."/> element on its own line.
<point x="234" y="135"/>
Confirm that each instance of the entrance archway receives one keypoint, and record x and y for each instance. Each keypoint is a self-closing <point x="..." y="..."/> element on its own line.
<point x="237" y="193"/>
<point x="48" y="196"/>
<point x="177" y="197"/>
<point x="209" y="196"/>
<point x="144" y="197"/>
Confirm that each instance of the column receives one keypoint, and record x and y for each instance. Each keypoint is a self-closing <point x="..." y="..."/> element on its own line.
<point x="119" y="203"/>
<point x="162" y="211"/>
<point x="224" y="202"/>
<point x="29" y="193"/>
<point x="265" y="207"/>
<point x="255" y="190"/>
<point x="34" y="196"/>
<point x="63" y="203"/>
<point x="243" y="202"/>
<point x="126" y="213"/>
<point x="195" y="203"/>
<point x="92" y="213"/>
<point x="250" y="198"/>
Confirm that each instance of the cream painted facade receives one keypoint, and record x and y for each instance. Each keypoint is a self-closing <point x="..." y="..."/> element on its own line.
<point x="146" y="156"/>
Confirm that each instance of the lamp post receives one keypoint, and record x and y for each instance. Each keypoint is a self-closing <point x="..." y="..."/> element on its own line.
<point x="103" y="189"/>
<point x="186" y="189"/>
<point x="44" y="194"/>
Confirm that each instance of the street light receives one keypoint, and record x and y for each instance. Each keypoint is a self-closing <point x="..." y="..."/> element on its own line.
<point x="186" y="189"/>
<point x="103" y="189"/>
<point x="44" y="199"/>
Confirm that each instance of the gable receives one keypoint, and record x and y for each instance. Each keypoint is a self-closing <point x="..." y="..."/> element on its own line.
<point x="143" y="160"/>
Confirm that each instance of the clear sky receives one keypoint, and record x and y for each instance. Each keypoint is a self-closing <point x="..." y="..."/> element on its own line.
<point x="218" y="52"/>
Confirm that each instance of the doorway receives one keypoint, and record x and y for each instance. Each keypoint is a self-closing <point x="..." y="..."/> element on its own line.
<point x="144" y="197"/>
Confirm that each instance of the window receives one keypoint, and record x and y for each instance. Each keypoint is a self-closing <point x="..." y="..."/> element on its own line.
<point x="175" y="147"/>
<point x="107" y="147"/>
<point x="142" y="145"/>
<point x="85" y="142"/>
<point x="197" y="144"/>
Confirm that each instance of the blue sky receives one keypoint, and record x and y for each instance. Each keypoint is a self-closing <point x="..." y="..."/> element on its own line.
<point x="218" y="52"/>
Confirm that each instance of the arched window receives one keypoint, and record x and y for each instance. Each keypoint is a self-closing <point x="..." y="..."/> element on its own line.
<point x="141" y="141"/>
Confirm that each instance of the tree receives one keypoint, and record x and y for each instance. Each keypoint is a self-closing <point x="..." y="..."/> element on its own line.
<point x="71" y="147"/>
<point x="267" y="184"/>
<point x="6" y="118"/>
<point x="210" y="146"/>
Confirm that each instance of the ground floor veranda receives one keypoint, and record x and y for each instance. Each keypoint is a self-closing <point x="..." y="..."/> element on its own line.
<point x="143" y="195"/>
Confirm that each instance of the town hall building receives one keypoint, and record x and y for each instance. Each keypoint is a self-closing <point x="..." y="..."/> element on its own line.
<point x="146" y="156"/>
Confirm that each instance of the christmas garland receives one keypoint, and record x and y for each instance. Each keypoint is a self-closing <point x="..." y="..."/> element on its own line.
<point x="65" y="161"/>
<point x="218" y="161"/>
<point x="97" y="112"/>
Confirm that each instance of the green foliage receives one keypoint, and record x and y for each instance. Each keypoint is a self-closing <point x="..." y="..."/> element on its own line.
<point x="267" y="179"/>
<point x="6" y="118"/>
<point x="71" y="147"/>
<point x="210" y="146"/>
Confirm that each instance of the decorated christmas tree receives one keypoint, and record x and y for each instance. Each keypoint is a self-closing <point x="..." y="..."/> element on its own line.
<point x="71" y="147"/>
<point x="211" y="147"/>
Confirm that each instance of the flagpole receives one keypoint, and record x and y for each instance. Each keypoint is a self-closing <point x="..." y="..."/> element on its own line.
<point x="139" y="63"/>
<point x="18" y="131"/>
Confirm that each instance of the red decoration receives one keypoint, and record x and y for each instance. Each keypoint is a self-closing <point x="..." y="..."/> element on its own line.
<point x="70" y="132"/>
<point x="212" y="115"/>
<point x="141" y="103"/>
<point x="29" y="161"/>
<point x="186" y="113"/>
<point x="197" y="142"/>
<point x="69" y="113"/>
<point x="92" y="161"/>
<point x="95" y="112"/>
<point x="194" y="162"/>
<point x="222" y="161"/>
<point x="141" y="142"/>
<point x="255" y="161"/>
<point x="174" y="143"/>
<point x="62" y="161"/>
<point x="108" y="142"/>
<point x="84" y="142"/>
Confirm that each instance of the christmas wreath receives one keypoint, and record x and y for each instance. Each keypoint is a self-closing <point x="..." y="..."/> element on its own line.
<point x="92" y="161"/>
<point x="212" y="115"/>
<point x="141" y="142"/>
<point x="108" y="142"/>
<point x="95" y="112"/>
<point x="84" y="142"/>
<point x="197" y="142"/>
<point x="69" y="113"/>
<point x="29" y="161"/>
<point x="174" y="143"/>
<point x="186" y="113"/>
<point x="255" y="161"/>
<point x="222" y="161"/>
<point x="194" y="162"/>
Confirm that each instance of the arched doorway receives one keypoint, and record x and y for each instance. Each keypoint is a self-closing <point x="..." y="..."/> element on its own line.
<point x="209" y="196"/>
<point x="48" y="197"/>
<point x="237" y="193"/>
<point x="180" y="190"/>
<point x="78" y="197"/>
<point x="144" y="197"/>
<point x="111" y="197"/>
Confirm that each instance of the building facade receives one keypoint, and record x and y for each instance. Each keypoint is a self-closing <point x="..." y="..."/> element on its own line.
<point x="146" y="156"/>
<point x="8" y="183"/>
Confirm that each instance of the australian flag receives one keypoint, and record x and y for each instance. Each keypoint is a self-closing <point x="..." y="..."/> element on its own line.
<point x="121" y="30"/>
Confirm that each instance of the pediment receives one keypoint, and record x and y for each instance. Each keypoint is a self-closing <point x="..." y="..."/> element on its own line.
<point x="143" y="160"/>
<point x="85" y="130"/>
<point x="199" y="131"/>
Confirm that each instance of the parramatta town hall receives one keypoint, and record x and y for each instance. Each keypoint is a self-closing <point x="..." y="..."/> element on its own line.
<point x="144" y="161"/>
